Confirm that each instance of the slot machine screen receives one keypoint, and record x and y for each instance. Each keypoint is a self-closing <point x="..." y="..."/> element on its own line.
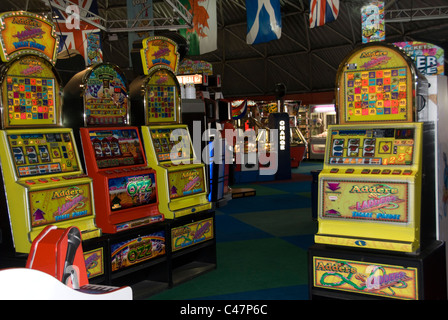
<point x="117" y="147"/>
<point x="168" y="150"/>
<point x="37" y="154"/>
<point x="376" y="146"/>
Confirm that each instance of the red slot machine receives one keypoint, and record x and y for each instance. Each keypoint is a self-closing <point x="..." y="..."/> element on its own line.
<point x="43" y="179"/>
<point x="124" y="187"/>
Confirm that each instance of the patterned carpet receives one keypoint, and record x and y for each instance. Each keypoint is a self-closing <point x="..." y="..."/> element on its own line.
<point x="262" y="244"/>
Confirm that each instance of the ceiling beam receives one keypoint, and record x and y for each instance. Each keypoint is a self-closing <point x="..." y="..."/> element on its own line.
<point x="416" y="14"/>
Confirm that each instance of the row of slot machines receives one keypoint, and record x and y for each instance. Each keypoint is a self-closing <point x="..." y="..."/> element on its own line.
<point x="377" y="233"/>
<point x="135" y="176"/>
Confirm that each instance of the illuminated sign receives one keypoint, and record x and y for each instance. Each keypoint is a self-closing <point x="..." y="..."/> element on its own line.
<point x="282" y="134"/>
<point x="190" y="79"/>
<point x="366" y="278"/>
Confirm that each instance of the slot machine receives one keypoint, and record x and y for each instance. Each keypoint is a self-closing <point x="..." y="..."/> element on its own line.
<point x="124" y="185"/>
<point x="155" y="96"/>
<point x="370" y="214"/>
<point x="43" y="179"/>
<point x="182" y="185"/>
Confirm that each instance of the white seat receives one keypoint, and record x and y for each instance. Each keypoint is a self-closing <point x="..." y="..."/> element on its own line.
<point x="30" y="284"/>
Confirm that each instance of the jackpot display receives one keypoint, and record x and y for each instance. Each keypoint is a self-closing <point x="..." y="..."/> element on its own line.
<point x="43" y="179"/>
<point x="181" y="177"/>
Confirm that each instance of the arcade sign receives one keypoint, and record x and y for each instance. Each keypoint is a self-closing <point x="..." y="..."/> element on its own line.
<point x="429" y="59"/>
<point x="160" y="52"/>
<point x="190" y="78"/>
<point x="26" y="33"/>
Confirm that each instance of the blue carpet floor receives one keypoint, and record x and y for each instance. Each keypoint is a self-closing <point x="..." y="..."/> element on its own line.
<point x="262" y="244"/>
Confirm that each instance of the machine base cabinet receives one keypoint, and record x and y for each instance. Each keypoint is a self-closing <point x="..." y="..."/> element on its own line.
<point x="351" y="274"/>
<point x="149" y="259"/>
<point x="192" y="246"/>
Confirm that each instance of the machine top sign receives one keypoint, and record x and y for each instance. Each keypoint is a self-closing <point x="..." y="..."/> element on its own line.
<point x="24" y="33"/>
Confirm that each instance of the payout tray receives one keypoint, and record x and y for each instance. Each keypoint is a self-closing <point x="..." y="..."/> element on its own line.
<point x="370" y="187"/>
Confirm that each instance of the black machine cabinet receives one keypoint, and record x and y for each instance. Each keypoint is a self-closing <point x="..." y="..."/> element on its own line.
<point x="353" y="274"/>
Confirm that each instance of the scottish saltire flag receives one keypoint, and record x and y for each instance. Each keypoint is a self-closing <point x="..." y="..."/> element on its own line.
<point x="323" y="11"/>
<point x="203" y="37"/>
<point x="264" y="22"/>
<point x="78" y="34"/>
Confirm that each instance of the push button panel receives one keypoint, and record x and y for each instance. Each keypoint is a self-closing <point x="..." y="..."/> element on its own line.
<point x="371" y="171"/>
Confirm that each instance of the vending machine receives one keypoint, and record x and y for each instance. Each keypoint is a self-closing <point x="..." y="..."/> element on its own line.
<point x="155" y="96"/>
<point x="372" y="235"/>
<point x="42" y="176"/>
<point x="124" y="185"/>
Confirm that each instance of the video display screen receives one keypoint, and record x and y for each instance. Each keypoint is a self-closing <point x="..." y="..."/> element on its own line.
<point x="172" y="144"/>
<point x="116" y="147"/>
<point x="382" y="146"/>
<point x="37" y="154"/>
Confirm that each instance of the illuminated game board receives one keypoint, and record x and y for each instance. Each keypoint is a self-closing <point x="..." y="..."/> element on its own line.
<point x="105" y="99"/>
<point x="31" y="93"/>
<point x="371" y="182"/>
<point x="376" y="84"/>
<point x="162" y="98"/>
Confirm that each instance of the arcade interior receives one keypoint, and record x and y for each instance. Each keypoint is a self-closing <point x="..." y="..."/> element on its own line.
<point x="163" y="186"/>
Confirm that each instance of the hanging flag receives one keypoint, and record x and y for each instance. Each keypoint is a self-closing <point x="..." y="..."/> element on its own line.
<point x="202" y="38"/>
<point x="372" y="22"/>
<point x="139" y="15"/>
<point x="77" y="34"/>
<point x="323" y="11"/>
<point x="264" y="22"/>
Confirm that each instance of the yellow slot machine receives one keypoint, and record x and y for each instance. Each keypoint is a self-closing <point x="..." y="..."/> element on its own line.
<point x="43" y="180"/>
<point x="370" y="213"/>
<point x="181" y="176"/>
<point x="182" y="185"/>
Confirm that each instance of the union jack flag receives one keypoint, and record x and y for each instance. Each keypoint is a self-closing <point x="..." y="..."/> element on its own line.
<point x="323" y="11"/>
<point x="86" y="39"/>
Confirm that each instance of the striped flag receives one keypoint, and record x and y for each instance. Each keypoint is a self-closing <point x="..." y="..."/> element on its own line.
<point x="323" y="11"/>
<point x="84" y="37"/>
